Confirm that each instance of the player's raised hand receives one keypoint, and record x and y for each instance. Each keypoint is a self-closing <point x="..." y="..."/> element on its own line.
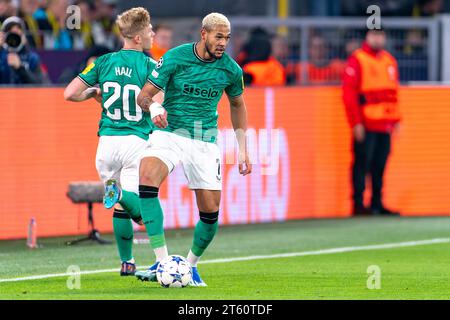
<point x="160" y="120"/>
<point x="245" y="165"/>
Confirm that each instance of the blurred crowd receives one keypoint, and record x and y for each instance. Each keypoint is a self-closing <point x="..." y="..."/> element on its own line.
<point x="271" y="59"/>
<point x="415" y="8"/>
<point x="32" y="29"/>
<point x="44" y="28"/>
<point x="45" y="22"/>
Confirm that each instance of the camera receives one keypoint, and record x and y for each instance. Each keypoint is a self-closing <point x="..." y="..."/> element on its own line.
<point x="13" y="42"/>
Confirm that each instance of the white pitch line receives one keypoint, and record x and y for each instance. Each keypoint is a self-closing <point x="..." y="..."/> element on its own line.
<point x="54" y="275"/>
<point x="334" y="250"/>
<point x="258" y="257"/>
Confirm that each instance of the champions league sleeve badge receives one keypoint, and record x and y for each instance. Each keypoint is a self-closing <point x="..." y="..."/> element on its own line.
<point x="160" y="63"/>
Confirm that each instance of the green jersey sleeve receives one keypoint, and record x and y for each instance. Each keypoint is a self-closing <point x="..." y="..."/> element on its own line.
<point x="90" y="74"/>
<point x="236" y="88"/>
<point x="152" y="66"/>
<point x="164" y="69"/>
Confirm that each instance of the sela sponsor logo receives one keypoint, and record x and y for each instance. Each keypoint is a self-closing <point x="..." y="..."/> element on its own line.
<point x="189" y="89"/>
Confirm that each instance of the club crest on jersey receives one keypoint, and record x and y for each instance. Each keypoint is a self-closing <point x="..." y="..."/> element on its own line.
<point x="160" y="63"/>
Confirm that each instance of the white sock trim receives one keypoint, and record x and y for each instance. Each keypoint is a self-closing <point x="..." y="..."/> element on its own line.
<point x="161" y="253"/>
<point x="193" y="259"/>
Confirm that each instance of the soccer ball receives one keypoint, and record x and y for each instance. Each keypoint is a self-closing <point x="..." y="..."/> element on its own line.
<point x="174" y="272"/>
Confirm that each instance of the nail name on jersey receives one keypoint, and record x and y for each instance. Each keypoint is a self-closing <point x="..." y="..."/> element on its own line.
<point x="123" y="71"/>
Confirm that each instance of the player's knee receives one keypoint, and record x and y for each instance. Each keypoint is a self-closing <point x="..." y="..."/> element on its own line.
<point x="147" y="173"/>
<point x="145" y="180"/>
<point x="209" y="217"/>
<point x="151" y="173"/>
<point x="210" y="206"/>
<point x="118" y="206"/>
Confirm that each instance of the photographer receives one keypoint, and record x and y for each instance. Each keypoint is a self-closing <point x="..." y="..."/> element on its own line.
<point x="18" y="64"/>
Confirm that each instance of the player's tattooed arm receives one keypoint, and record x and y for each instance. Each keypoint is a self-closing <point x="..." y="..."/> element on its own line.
<point x="238" y="112"/>
<point x="148" y="101"/>
<point x="145" y="97"/>
<point x="145" y="103"/>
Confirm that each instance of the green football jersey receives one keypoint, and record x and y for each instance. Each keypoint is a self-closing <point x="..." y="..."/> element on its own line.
<point x="121" y="75"/>
<point x="192" y="90"/>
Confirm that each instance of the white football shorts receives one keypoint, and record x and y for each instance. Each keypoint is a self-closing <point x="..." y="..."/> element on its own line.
<point x="118" y="158"/>
<point x="201" y="160"/>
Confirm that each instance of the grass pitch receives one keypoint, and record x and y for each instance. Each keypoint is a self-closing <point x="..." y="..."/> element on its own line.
<point x="409" y="272"/>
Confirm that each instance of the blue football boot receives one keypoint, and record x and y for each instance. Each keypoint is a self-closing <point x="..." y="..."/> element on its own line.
<point x="112" y="193"/>
<point x="149" y="274"/>
<point x="196" y="281"/>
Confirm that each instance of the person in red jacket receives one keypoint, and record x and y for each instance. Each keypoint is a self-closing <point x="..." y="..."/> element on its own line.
<point x="370" y="89"/>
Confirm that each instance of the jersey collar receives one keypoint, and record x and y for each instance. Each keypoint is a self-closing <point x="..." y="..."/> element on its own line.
<point x="131" y="50"/>
<point x="200" y="58"/>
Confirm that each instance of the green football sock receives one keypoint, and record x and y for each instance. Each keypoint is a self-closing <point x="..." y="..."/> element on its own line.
<point x="152" y="215"/>
<point x="130" y="202"/>
<point x="204" y="233"/>
<point x="123" y="231"/>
